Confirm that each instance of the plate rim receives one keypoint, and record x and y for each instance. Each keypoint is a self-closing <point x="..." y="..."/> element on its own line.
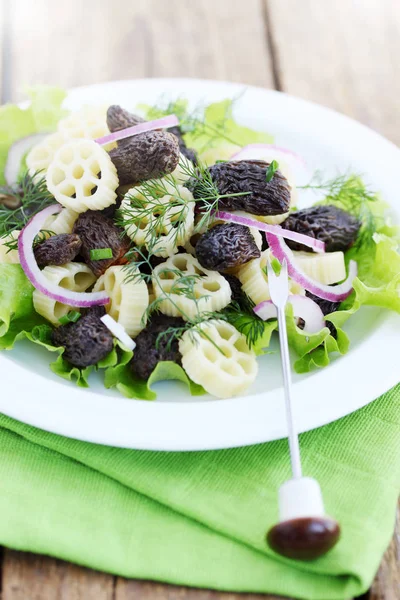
<point x="48" y="417"/>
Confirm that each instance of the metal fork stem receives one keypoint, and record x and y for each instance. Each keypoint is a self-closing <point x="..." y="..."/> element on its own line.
<point x="287" y="379"/>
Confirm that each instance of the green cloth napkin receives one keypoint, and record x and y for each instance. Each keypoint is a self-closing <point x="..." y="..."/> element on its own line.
<point x="200" y="518"/>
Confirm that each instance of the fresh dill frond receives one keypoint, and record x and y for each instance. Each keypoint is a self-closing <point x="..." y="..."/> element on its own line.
<point x="350" y="193"/>
<point x="244" y="319"/>
<point x="145" y="205"/>
<point x="12" y="244"/>
<point x="31" y="195"/>
<point x="195" y="121"/>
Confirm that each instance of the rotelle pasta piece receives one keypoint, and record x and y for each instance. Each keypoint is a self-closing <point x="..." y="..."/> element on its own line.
<point x="89" y="122"/>
<point x="216" y="356"/>
<point x="8" y="256"/>
<point x="41" y="155"/>
<point x="254" y="279"/>
<point x="72" y="276"/>
<point x="169" y="218"/>
<point x="145" y="156"/>
<point x="211" y="289"/>
<point x="62" y="222"/>
<point x="82" y="176"/>
<point x="129" y="299"/>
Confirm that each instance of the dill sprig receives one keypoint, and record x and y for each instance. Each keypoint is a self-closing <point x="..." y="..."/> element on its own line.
<point x="182" y="284"/>
<point x="195" y="121"/>
<point x="31" y="196"/>
<point x="145" y="205"/>
<point x="244" y="319"/>
<point x="349" y="192"/>
<point x="12" y="244"/>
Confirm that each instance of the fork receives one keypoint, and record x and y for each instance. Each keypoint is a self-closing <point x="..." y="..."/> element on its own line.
<point x="303" y="531"/>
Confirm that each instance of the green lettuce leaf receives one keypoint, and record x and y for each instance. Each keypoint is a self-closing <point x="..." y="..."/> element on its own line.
<point x="15" y="296"/>
<point x="118" y="374"/>
<point x="42" y="115"/>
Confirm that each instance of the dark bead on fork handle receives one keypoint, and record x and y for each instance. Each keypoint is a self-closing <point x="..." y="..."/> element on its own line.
<point x="304" y="538"/>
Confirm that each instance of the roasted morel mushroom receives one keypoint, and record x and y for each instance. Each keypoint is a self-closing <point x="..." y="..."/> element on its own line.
<point x="87" y="341"/>
<point x="97" y="232"/>
<point x="57" y="249"/>
<point x="145" y="156"/>
<point x="151" y="349"/>
<point x="249" y="177"/>
<point x="226" y="246"/>
<point x="332" y="225"/>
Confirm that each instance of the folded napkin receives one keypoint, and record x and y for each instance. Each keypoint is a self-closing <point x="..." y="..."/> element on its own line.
<point x="200" y="518"/>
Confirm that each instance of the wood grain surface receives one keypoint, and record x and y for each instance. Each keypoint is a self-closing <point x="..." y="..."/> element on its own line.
<point x="343" y="54"/>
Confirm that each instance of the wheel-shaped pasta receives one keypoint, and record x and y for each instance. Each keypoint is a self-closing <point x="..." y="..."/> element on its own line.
<point x="62" y="222"/>
<point x="71" y="276"/>
<point x="209" y="291"/>
<point x="82" y="176"/>
<point x="8" y="256"/>
<point x="89" y="122"/>
<point x="183" y="171"/>
<point x="161" y="224"/>
<point x="128" y="299"/>
<point x="41" y="155"/>
<point x="254" y="279"/>
<point x="216" y="356"/>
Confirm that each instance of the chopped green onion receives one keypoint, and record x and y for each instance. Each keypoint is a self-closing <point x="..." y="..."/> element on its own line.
<point x="272" y="168"/>
<point x="71" y="317"/>
<point x="101" y="253"/>
<point x="41" y="333"/>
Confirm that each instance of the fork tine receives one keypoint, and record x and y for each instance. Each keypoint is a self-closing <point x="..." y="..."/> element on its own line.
<point x="278" y="284"/>
<point x="284" y="269"/>
<point x="270" y="271"/>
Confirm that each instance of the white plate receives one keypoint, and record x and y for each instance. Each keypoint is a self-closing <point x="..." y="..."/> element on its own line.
<point x="327" y="140"/>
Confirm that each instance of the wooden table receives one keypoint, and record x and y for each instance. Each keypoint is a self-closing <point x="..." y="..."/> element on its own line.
<point x="343" y="54"/>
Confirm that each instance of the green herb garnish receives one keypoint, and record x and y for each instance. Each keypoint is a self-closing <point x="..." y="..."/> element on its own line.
<point x="272" y="168"/>
<point x="72" y="317"/>
<point x="31" y="196"/>
<point x="100" y="253"/>
<point x="350" y="193"/>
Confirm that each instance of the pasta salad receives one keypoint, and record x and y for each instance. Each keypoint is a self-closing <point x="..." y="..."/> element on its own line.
<point x="135" y="243"/>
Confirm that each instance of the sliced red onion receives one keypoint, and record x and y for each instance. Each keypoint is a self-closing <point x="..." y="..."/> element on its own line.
<point x="118" y="331"/>
<point x="336" y="293"/>
<point x="257" y="151"/>
<point x="308" y="241"/>
<point x="292" y="165"/>
<point x="16" y="153"/>
<point x="37" y="277"/>
<point x="163" y="123"/>
<point x="303" y="308"/>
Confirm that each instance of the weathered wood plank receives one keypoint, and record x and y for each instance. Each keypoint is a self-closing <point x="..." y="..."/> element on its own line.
<point x="342" y="54"/>
<point x="387" y="582"/>
<point x="99" y="40"/>
<point x="147" y="590"/>
<point x="29" y="576"/>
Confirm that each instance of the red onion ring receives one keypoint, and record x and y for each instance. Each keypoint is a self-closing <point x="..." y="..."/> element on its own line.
<point x="277" y="230"/>
<point x="122" y="134"/>
<point x="36" y="276"/>
<point x="270" y="148"/>
<point x="336" y="293"/>
<point x="303" y="308"/>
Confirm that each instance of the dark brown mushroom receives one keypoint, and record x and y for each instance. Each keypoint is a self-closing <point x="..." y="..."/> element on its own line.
<point x="85" y="342"/>
<point x="97" y="231"/>
<point x="148" y="155"/>
<point x="57" y="249"/>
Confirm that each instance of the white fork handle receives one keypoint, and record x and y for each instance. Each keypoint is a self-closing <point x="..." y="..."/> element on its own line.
<point x="287" y="380"/>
